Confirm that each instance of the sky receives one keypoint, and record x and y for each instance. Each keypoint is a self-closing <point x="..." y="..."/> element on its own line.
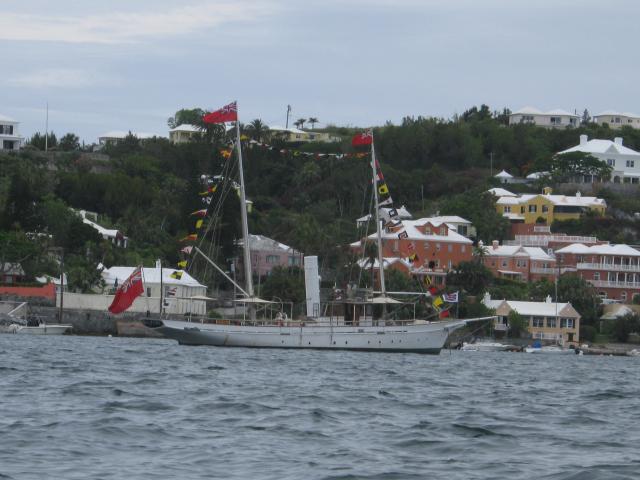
<point x="131" y="64"/>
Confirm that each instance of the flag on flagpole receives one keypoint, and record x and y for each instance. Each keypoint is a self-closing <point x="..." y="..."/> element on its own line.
<point x="199" y="213"/>
<point x="130" y="289"/>
<point x="437" y="302"/>
<point x="450" y="297"/>
<point x="364" y="138"/>
<point x="444" y="314"/>
<point x="182" y="264"/>
<point x="176" y="274"/>
<point x="187" y="249"/>
<point x="228" y="113"/>
<point x="192" y="237"/>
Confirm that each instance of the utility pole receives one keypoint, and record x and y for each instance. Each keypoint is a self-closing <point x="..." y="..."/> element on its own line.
<point x="61" y="286"/>
<point x="288" y="112"/>
<point x="46" y="130"/>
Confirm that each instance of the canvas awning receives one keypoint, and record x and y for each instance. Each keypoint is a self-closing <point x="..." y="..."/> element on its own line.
<point x="384" y="300"/>
<point x="253" y="300"/>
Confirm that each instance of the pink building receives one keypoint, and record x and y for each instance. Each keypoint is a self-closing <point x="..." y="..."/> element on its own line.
<point x="516" y="262"/>
<point x="267" y="253"/>
<point x="614" y="270"/>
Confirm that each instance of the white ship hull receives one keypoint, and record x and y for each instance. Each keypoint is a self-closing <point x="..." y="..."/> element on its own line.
<point x="419" y="338"/>
<point x="54" y="329"/>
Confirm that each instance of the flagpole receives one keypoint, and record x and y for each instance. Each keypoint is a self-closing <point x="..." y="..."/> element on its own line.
<point x="377" y="211"/>
<point x="161" y="288"/>
<point x="245" y="222"/>
<point x="144" y="289"/>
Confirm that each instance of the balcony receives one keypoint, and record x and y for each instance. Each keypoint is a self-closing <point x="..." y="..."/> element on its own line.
<point x="608" y="284"/>
<point x="608" y="267"/>
<point x="551" y="271"/>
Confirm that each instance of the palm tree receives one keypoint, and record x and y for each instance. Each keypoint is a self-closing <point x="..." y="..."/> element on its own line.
<point x="300" y="123"/>
<point x="312" y="121"/>
<point x="257" y="129"/>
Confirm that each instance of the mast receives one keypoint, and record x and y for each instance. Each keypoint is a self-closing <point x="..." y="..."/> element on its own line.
<point x="377" y="210"/>
<point x="245" y="222"/>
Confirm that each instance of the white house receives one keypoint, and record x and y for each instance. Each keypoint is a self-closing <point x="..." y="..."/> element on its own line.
<point x="293" y="135"/>
<point x="113" y="235"/>
<point x="625" y="161"/>
<point x="552" y="119"/>
<point x="504" y="177"/>
<point x="9" y="138"/>
<point x="617" y="119"/>
<point x="182" y="293"/>
<point x="184" y="133"/>
<point x="116" y="136"/>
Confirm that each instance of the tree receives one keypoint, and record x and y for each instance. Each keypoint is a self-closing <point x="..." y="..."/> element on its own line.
<point x="300" y="123"/>
<point x="572" y="289"/>
<point x="586" y="118"/>
<point x="69" y="142"/>
<point x="40" y="141"/>
<point x="286" y="284"/>
<point x="257" y="129"/>
<point x="567" y="166"/>
<point x="472" y="277"/>
<point x="517" y="324"/>
<point x="187" y="116"/>
<point x="312" y="121"/>
<point x="623" y="326"/>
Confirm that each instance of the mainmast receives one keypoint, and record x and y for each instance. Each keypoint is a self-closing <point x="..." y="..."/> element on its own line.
<point x="245" y="223"/>
<point x="378" y="223"/>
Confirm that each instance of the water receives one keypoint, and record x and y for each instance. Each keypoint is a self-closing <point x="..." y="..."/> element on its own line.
<point x="113" y="408"/>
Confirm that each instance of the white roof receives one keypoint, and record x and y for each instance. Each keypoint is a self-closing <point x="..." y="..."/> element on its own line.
<point x="503" y="174"/>
<point x="546" y="309"/>
<point x="501" y="192"/>
<point x="150" y="275"/>
<point x="527" y="111"/>
<point x="278" y="128"/>
<point x="559" y="200"/>
<point x="534" y="253"/>
<point x="402" y="213"/>
<point x="616" y="113"/>
<point x="606" y="249"/>
<point x="120" y="134"/>
<point x="4" y="118"/>
<point x="109" y="232"/>
<point x="559" y="111"/>
<point x="535" y="111"/>
<point x="185" y="127"/>
<point x="601" y="146"/>
<point x="410" y="227"/>
<point x="537" y="175"/>
<point x="453" y="219"/>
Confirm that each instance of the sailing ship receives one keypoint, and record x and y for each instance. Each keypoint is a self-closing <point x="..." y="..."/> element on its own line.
<point x="353" y="328"/>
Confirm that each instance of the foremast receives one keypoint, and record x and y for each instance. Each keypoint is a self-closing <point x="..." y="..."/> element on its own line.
<point x="374" y="171"/>
<point x="245" y="222"/>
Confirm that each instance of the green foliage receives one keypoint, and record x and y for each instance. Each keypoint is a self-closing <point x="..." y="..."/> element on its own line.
<point x="509" y="289"/>
<point x="568" y="166"/>
<point x="573" y="289"/>
<point x="70" y="142"/>
<point x="40" y="140"/>
<point x="588" y="333"/>
<point x="623" y="326"/>
<point x="472" y="277"/>
<point x="188" y="116"/>
<point x="517" y="324"/>
<point x="285" y="284"/>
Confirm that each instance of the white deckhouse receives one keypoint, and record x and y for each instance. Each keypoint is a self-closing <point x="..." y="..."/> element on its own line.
<point x="9" y="138"/>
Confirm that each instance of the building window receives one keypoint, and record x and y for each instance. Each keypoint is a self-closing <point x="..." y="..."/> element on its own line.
<point x="507" y="209"/>
<point x="148" y="291"/>
<point x="631" y="163"/>
<point x="437" y="247"/>
<point x="443" y="230"/>
<point x="294" y="261"/>
<point x="463" y="248"/>
<point x="611" y="162"/>
<point x="272" y="259"/>
<point x="567" y="323"/>
<point x="450" y="264"/>
<point x="504" y="263"/>
<point x="596" y="276"/>
<point x="623" y="296"/>
<point x="533" y="208"/>
<point x="521" y="209"/>
<point x="426" y="245"/>
<point x="551" y="322"/>
<point x="556" y="120"/>
<point x="538" y="322"/>
<point x="545" y="208"/>
<point x="450" y="248"/>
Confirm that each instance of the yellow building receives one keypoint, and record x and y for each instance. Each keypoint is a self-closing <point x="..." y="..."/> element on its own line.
<point x="529" y="208"/>
<point x="295" y="135"/>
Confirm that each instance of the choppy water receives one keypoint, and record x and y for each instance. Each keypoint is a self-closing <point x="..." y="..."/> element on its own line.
<point x="114" y="408"/>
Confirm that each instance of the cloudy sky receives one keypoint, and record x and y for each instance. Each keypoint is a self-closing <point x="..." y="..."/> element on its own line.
<point x="130" y="64"/>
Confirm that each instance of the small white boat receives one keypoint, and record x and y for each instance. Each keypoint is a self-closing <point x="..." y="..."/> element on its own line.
<point x="634" y="353"/>
<point x="485" y="347"/>
<point x="40" y="329"/>
<point x="553" y="350"/>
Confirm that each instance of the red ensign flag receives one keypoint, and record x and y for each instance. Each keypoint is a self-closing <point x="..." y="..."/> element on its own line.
<point x="228" y="113"/>
<point x="364" y="138"/>
<point x="130" y="289"/>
